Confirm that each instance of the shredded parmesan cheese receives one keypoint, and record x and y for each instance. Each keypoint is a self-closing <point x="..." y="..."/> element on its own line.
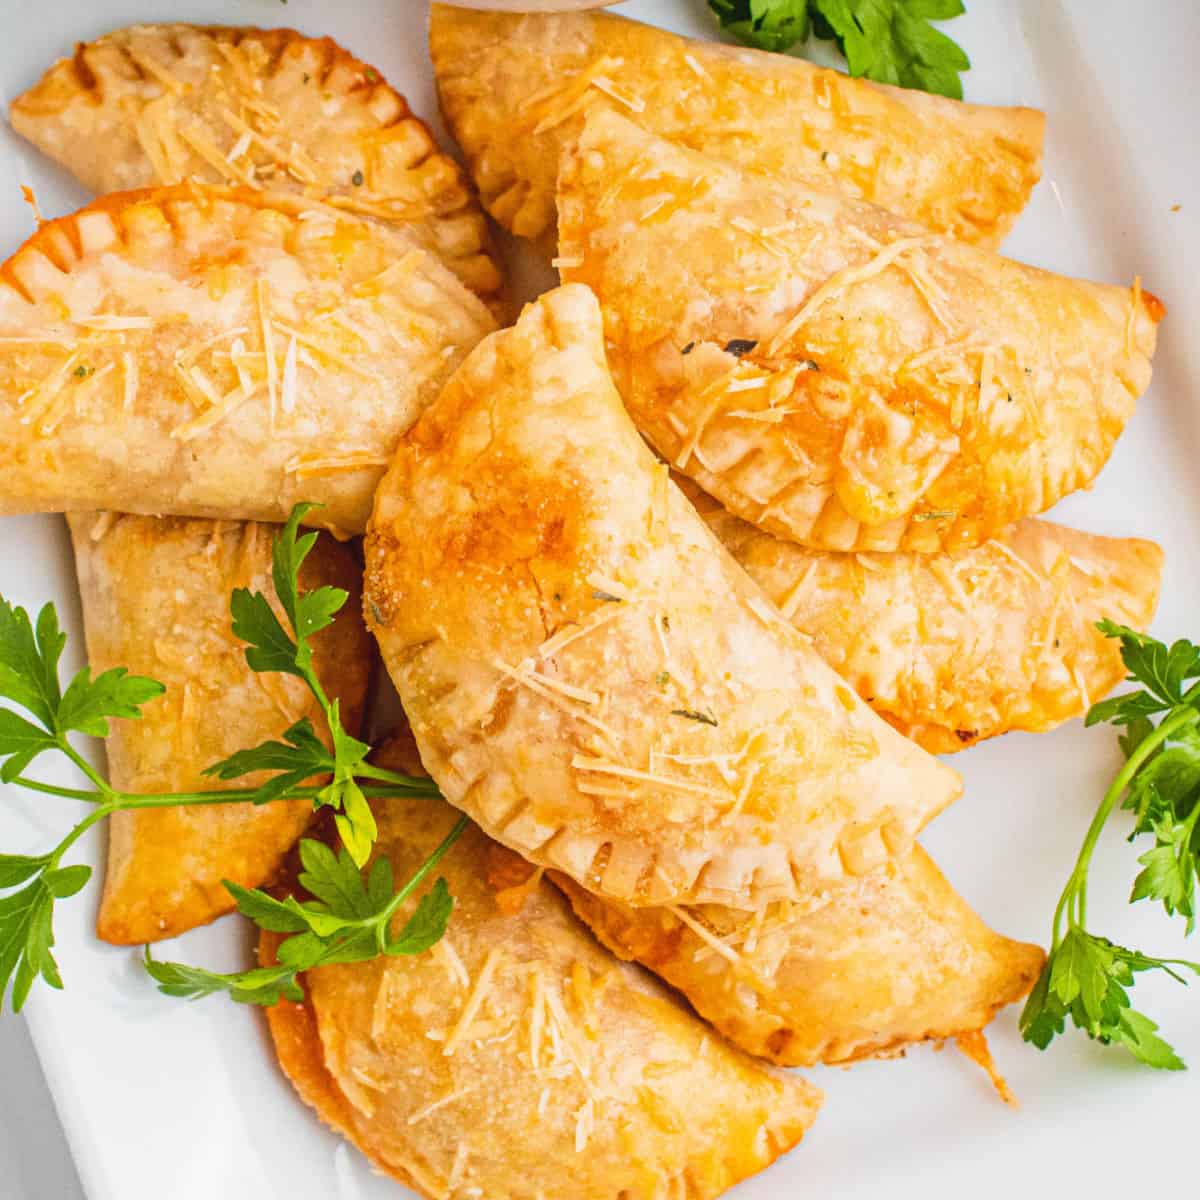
<point x="474" y="1002"/>
<point x="268" y="345"/>
<point x="602" y="767"/>
<point x="429" y="1109"/>
<point x="634" y="103"/>
<point x="304" y="465"/>
<point x="287" y="400"/>
<point x="849" y="277"/>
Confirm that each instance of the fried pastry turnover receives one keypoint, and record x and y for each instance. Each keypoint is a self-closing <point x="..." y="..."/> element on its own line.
<point x="589" y="674"/>
<point x="267" y="109"/>
<point x="518" y="1058"/>
<point x="833" y="373"/>
<point x="876" y="964"/>
<point x="957" y="647"/>
<point x="155" y="597"/>
<point x="515" y="90"/>
<point x="218" y="352"/>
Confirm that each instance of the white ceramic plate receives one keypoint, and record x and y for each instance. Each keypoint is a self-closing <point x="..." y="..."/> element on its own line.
<point x="165" y="1099"/>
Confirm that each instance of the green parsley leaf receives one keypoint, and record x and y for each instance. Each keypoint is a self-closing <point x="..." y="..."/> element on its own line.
<point x="16" y="868"/>
<point x="1086" y="979"/>
<point x="88" y="703"/>
<point x="892" y="41"/>
<point x="347" y="921"/>
<point x="300" y="756"/>
<point x="1169" y="870"/>
<point x="254" y="621"/>
<point x="768" y="24"/>
<point x="1161" y="670"/>
<point x="20" y="743"/>
<point x="26" y="941"/>
<point x="29" y="660"/>
<point x="264" y="985"/>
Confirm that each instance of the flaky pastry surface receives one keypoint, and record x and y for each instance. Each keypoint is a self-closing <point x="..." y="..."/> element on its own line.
<point x="155" y="598"/>
<point x="833" y="373"/>
<point x="587" y="672"/>
<point x="515" y="89"/>
<point x="205" y="351"/>
<point x="518" y="1059"/>
<point x="957" y="647"/>
<point x="885" y="960"/>
<point x="270" y="109"/>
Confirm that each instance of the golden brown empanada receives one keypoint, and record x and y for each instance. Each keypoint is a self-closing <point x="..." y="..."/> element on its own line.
<point x="514" y="90"/>
<point x="160" y="104"/>
<point x="518" y="1059"/>
<point x="218" y="352"/>
<point x="588" y="673"/>
<point x="155" y="595"/>
<point x="954" y="648"/>
<point x="885" y="960"/>
<point x="833" y="373"/>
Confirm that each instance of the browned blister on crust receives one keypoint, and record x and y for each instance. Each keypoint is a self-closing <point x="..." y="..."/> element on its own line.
<point x="589" y="674"/>
<point x="518" y="1053"/>
<point x="262" y="108"/>
<point x="205" y="351"/>
<point x="155" y="598"/>
<point x="957" y="647"/>
<point x="831" y="372"/>
<point x="873" y="965"/>
<point x="515" y="90"/>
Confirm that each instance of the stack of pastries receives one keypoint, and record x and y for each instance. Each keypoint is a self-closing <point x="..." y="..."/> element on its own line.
<point x="682" y="578"/>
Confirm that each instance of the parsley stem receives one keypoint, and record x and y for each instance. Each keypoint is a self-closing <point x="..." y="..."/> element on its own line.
<point x="51" y="789"/>
<point x="93" y="818"/>
<point x="385" y="918"/>
<point x="366" y="770"/>
<point x="120" y="801"/>
<point x="86" y="767"/>
<point x="1074" y="894"/>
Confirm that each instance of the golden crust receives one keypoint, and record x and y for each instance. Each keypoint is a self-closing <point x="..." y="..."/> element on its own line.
<point x="515" y="89"/>
<point x="155" y="597"/>
<point x="518" y="1053"/>
<point x="589" y="675"/>
<point x="135" y="375"/>
<point x="159" y="104"/>
<point x="833" y="373"/>
<point x="955" y="648"/>
<point x="888" y="959"/>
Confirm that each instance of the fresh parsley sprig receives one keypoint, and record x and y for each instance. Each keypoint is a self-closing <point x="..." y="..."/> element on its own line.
<point x="347" y="921"/>
<point x="1086" y="977"/>
<point x="890" y="41"/>
<point x="30" y="885"/>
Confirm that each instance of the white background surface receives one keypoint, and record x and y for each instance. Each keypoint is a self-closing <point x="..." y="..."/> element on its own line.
<point x="162" y="1099"/>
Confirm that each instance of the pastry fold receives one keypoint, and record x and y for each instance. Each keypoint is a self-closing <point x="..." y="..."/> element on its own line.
<point x="155" y="598"/>
<point x="515" y="90"/>
<point x="957" y="647"/>
<point x="518" y="1058"/>
<point x="831" y="372"/>
<point x="881" y="962"/>
<point x="218" y="352"/>
<point x="589" y="675"/>
<point x="160" y="104"/>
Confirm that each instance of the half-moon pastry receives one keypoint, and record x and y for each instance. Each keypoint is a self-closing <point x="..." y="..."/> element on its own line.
<point x="218" y="352"/>
<point x="833" y="373"/>
<point x="161" y="104"/>
<point x="515" y="90"/>
<point x="518" y="1058"/>
<point x="589" y="675"/>
<point x="155" y="597"/>
<point x="954" y="648"/>
<point x="888" y="959"/>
